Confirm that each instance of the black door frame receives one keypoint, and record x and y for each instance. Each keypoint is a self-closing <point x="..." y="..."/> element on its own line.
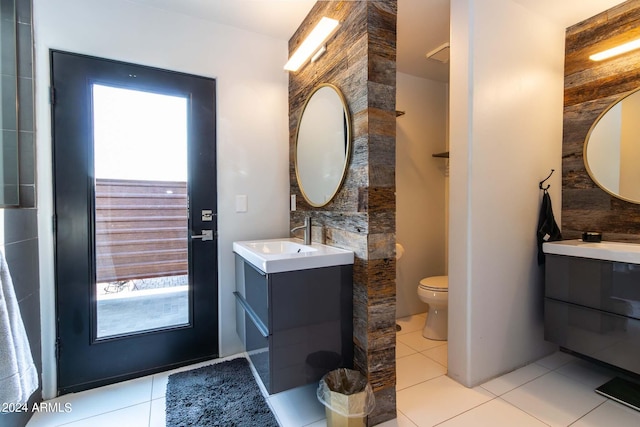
<point x="83" y="361"/>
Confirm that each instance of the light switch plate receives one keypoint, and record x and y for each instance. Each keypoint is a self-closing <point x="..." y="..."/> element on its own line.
<point x="241" y="203"/>
<point x="293" y="202"/>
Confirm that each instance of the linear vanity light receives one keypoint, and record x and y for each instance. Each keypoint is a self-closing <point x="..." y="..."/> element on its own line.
<point x="316" y="38"/>
<point x="615" y="51"/>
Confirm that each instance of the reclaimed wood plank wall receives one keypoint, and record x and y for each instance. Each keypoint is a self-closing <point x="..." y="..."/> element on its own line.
<point x="589" y="88"/>
<point x="361" y="61"/>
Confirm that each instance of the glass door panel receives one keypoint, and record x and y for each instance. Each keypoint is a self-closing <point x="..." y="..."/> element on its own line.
<point x="141" y="211"/>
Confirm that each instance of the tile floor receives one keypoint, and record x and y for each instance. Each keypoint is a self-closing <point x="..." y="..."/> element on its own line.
<point x="554" y="391"/>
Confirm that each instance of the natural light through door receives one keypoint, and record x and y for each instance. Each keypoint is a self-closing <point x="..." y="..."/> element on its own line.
<point x="141" y="209"/>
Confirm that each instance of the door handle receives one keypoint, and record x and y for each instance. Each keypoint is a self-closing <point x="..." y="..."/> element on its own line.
<point x="205" y="236"/>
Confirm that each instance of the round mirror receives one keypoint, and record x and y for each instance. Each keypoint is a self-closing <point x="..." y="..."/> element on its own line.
<point x="322" y="145"/>
<point x="612" y="149"/>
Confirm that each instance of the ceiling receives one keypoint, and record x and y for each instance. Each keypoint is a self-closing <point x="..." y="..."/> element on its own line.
<point x="423" y="25"/>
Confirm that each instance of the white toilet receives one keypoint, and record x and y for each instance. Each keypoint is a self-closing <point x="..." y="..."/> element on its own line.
<point x="435" y="292"/>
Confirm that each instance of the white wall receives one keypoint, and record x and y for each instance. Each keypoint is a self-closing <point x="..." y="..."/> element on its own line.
<point x="252" y="142"/>
<point x="420" y="186"/>
<point x="505" y="136"/>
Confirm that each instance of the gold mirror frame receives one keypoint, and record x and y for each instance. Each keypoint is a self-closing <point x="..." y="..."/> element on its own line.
<point x="334" y="178"/>
<point x="588" y="140"/>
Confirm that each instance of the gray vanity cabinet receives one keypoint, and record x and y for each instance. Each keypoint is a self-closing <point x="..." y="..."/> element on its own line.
<point x="592" y="307"/>
<point x="295" y="325"/>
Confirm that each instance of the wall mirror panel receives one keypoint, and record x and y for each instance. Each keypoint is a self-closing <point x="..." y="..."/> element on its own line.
<point x="323" y="143"/>
<point x="612" y="149"/>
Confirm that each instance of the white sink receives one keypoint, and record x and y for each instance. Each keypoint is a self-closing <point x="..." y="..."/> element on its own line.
<point x="276" y="247"/>
<point x="278" y="255"/>
<point x="609" y="251"/>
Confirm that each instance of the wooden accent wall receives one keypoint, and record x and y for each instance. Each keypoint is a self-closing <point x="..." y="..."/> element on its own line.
<point x="361" y="61"/>
<point x="589" y="88"/>
<point x="141" y="229"/>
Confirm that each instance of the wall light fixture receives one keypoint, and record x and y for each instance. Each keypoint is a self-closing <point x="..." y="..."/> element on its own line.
<point x="314" y="42"/>
<point x="615" y="51"/>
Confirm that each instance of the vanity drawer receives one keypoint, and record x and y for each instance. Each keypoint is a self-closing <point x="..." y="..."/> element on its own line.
<point x="255" y="338"/>
<point x="258" y="348"/>
<point x="253" y="287"/>
<point x="605" y="285"/>
<point x="608" y="337"/>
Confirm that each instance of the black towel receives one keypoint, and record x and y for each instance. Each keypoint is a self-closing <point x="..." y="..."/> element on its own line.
<point x="548" y="230"/>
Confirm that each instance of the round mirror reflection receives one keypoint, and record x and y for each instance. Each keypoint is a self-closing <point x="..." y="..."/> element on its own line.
<point x="322" y="145"/>
<point x="612" y="149"/>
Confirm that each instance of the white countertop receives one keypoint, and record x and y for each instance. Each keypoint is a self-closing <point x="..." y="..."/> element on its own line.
<point x="289" y="254"/>
<point x="608" y="251"/>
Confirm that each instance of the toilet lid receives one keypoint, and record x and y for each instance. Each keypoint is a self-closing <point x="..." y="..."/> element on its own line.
<point x="437" y="283"/>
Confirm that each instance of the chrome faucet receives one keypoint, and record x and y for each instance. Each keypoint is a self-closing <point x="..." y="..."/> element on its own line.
<point x="307" y="230"/>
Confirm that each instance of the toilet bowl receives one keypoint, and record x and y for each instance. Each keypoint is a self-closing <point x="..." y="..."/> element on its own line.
<point x="435" y="292"/>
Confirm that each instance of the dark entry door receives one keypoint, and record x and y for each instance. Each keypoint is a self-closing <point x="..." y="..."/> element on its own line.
<point x="135" y="218"/>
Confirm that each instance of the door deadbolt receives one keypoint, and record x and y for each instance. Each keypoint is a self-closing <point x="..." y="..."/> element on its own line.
<point x="207" y="215"/>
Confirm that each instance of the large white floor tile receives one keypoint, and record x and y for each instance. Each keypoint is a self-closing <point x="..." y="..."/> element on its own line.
<point x="495" y="413"/>
<point x="158" y="416"/>
<point x="133" y="416"/>
<point x="416" y="341"/>
<point x="437" y="400"/>
<point x="411" y="323"/>
<point x="297" y="407"/>
<point x="321" y="423"/>
<point x="439" y="354"/>
<point x="403" y="350"/>
<point x="610" y="414"/>
<point x="417" y="368"/>
<point x="587" y="373"/>
<point x="556" y="360"/>
<point x="514" y="379"/>
<point x="97" y="401"/>
<point x="530" y="396"/>
<point x="159" y="384"/>
<point x="400" y="421"/>
<point x="554" y="399"/>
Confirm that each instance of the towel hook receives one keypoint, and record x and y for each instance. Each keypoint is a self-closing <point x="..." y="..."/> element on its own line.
<point x="542" y="182"/>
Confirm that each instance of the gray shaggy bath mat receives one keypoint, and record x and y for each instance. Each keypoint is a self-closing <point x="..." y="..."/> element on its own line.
<point x="223" y="394"/>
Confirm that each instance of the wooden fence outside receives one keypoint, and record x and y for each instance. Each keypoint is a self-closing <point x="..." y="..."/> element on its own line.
<point x="141" y="229"/>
